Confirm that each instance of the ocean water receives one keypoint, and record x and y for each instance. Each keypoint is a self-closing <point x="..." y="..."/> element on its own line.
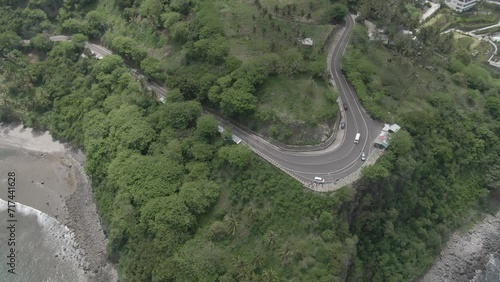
<point x="45" y="249"/>
<point x="492" y="271"/>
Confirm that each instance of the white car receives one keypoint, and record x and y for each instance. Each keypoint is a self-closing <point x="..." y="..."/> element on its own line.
<point x="319" y="180"/>
<point x="363" y="156"/>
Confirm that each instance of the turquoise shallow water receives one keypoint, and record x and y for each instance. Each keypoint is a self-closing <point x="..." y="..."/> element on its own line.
<point x="44" y="248"/>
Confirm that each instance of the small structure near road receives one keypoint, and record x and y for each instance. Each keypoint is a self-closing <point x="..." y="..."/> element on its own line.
<point x="97" y="55"/>
<point x="434" y="7"/>
<point x="235" y="138"/>
<point x="375" y="33"/>
<point x="495" y="37"/>
<point x="408" y="33"/>
<point x="307" y="41"/>
<point x="383" y="139"/>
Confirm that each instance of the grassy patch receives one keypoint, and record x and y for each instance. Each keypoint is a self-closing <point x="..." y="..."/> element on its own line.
<point x="315" y="9"/>
<point x="481" y="16"/>
<point x="399" y="86"/>
<point x="479" y="49"/>
<point x="436" y="20"/>
<point x="293" y="109"/>
<point x="251" y="33"/>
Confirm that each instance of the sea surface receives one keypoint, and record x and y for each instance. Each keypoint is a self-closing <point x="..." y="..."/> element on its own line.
<point x="45" y="249"/>
<point x="492" y="271"/>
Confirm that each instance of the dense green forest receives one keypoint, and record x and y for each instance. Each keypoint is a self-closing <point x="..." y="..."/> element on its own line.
<point x="272" y="84"/>
<point x="179" y="202"/>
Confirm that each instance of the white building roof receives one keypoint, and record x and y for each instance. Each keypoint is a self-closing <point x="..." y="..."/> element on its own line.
<point x="394" y="128"/>
<point x="307" y="41"/>
<point x="391" y="128"/>
<point x="496" y="38"/>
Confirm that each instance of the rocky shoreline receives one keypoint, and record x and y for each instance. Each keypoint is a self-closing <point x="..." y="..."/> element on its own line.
<point x="467" y="254"/>
<point x="84" y="221"/>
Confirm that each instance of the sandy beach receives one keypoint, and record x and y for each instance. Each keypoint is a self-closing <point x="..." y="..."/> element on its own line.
<point x="43" y="180"/>
<point x="50" y="178"/>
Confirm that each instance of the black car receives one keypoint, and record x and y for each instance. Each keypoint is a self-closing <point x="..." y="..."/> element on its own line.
<point x="342" y="71"/>
<point x="345" y="106"/>
<point x="342" y="125"/>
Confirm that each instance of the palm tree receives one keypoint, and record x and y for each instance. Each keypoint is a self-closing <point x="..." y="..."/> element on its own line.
<point x="270" y="275"/>
<point x="242" y="267"/>
<point x="286" y="255"/>
<point x="270" y="238"/>
<point x="237" y="262"/>
<point x="233" y="223"/>
<point x="257" y="261"/>
<point x="251" y="212"/>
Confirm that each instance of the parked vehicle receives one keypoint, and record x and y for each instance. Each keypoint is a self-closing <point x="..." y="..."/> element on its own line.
<point x="342" y="125"/>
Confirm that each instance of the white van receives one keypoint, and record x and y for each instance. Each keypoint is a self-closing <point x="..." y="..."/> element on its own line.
<point x="236" y="139"/>
<point x="356" y="139"/>
<point x="319" y="180"/>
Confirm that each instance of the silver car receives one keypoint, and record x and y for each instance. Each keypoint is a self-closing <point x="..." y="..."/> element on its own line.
<point x="363" y="156"/>
<point x="319" y="180"/>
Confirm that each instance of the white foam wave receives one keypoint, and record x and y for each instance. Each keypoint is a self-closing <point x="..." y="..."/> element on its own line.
<point x="56" y="235"/>
<point x="3" y="205"/>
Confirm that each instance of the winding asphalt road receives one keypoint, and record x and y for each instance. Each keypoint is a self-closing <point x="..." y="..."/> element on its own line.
<point x="339" y="160"/>
<point x="343" y="157"/>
